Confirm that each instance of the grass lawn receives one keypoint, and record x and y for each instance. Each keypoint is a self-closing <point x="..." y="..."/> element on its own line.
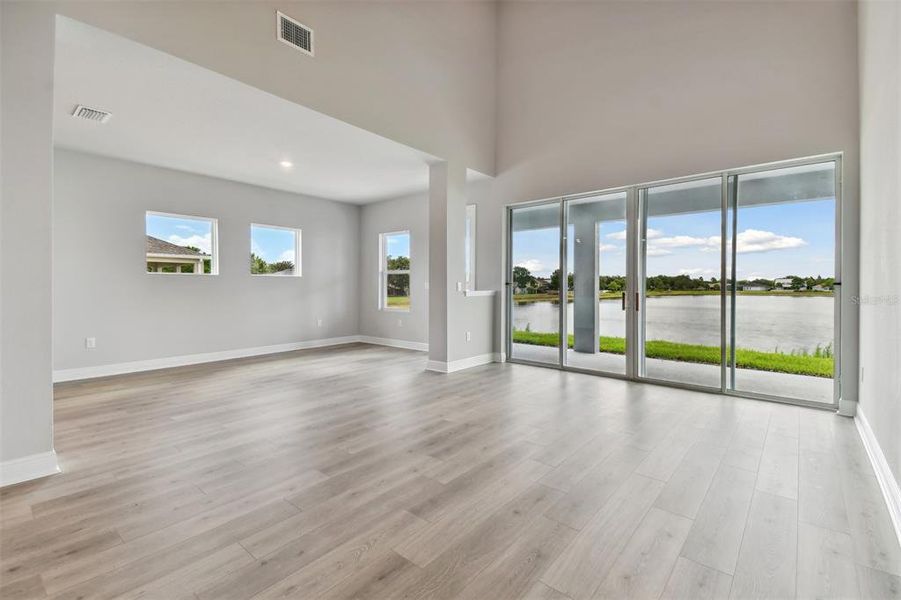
<point x="398" y="301"/>
<point x="816" y="366"/>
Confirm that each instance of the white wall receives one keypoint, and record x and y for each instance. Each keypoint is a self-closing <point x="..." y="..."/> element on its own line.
<point x="623" y="92"/>
<point x="880" y="218"/>
<point x="26" y="411"/>
<point x="407" y="213"/>
<point x="101" y="289"/>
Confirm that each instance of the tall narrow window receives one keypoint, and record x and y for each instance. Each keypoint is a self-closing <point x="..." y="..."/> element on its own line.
<point x="274" y="250"/>
<point x="394" y="286"/>
<point x="470" y="246"/>
<point x="180" y="244"/>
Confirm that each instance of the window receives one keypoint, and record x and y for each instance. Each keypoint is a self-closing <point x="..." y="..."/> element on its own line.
<point x="274" y="250"/>
<point x="395" y="271"/>
<point x="470" y="247"/>
<point x="180" y="244"/>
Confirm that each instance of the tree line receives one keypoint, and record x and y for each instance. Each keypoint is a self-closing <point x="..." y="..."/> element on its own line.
<point x="524" y="280"/>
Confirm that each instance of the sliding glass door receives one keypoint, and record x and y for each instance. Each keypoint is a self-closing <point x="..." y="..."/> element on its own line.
<point x="681" y="253"/>
<point x="534" y="283"/>
<point x="781" y="298"/>
<point x="595" y="311"/>
<point x="724" y="282"/>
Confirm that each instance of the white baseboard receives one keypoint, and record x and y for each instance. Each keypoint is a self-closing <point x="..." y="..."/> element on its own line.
<point x="500" y="357"/>
<point x="458" y="365"/>
<point x="28" y="468"/>
<point x="407" y="345"/>
<point x="192" y="359"/>
<point x="887" y="481"/>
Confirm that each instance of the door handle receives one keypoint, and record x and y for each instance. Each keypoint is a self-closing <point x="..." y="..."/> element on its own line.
<point x="624" y="300"/>
<point x="637" y="304"/>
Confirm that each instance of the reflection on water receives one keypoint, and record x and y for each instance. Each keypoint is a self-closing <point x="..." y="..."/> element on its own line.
<point x="764" y="323"/>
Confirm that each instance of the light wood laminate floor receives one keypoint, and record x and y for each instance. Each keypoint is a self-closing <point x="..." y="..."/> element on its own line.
<point x="352" y="473"/>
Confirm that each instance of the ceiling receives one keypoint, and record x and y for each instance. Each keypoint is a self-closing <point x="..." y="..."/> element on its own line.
<point x="172" y="113"/>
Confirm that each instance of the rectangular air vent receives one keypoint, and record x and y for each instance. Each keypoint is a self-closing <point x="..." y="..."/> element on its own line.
<point x="91" y="114"/>
<point x="295" y="34"/>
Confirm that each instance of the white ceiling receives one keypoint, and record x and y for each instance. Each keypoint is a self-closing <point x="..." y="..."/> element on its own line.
<point x="172" y="113"/>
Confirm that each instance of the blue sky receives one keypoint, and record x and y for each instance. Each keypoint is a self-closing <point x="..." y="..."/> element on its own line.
<point x="774" y="240"/>
<point x="181" y="231"/>
<point x="398" y="245"/>
<point x="272" y="244"/>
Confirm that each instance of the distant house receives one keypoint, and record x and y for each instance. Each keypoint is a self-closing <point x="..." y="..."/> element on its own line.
<point x="754" y="287"/>
<point x="784" y="283"/>
<point x="820" y="288"/>
<point x="166" y="257"/>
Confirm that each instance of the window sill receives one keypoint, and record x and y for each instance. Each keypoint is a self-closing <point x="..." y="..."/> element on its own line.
<point x="479" y="293"/>
<point x="189" y="274"/>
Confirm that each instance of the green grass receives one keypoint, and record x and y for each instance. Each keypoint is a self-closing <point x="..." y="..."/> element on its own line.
<point x="399" y="301"/>
<point x="819" y="364"/>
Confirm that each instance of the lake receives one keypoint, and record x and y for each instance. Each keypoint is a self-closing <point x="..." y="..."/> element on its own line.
<point x="763" y="323"/>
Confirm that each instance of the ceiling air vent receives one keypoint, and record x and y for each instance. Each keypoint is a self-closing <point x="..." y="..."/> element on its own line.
<point x="91" y="114"/>
<point x="297" y="35"/>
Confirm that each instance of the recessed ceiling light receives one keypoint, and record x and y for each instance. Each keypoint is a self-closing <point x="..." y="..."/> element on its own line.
<point x="286" y="164"/>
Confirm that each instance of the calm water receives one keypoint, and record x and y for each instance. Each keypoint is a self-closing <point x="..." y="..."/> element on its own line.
<point x="762" y="322"/>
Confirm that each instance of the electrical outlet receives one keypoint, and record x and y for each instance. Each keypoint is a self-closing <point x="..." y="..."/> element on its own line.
<point x="90" y="343"/>
<point x="468" y="336"/>
<point x="459" y="286"/>
<point x="318" y="322"/>
<point x="400" y="322"/>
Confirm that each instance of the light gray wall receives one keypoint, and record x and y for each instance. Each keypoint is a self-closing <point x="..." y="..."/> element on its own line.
<point x="623" y="92"/>
<point x="26" y="101"/>
<point x="407" y="213"/>
<point x="880" y="218"/>
<point x="101" y="289"/>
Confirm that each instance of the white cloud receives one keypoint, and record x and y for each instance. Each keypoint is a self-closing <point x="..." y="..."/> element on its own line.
<point x="685" y="241"/>
<point x="754" y="240"/>
<point x="621" y="235"/>
<point x="657" y="251"/>
<point x="608" y="247"/>
<point x="185" y="227"/>
<point x="198" y="241"/>
<point x="286" y="255"/>
<point x="749" y="240"/>
<point x="532" y="264"/>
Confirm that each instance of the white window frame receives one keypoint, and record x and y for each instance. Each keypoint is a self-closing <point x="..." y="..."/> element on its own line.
<point x="298" y="255"/>
<point x="384" y="272"/>
<point x="469" y="248"/>
<point x="214" y="240"/>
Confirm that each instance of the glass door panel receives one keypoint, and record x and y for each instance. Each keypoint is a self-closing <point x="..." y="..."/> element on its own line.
<point x="781" y="260"/>
<point x="680" y="254"/>
<point x="596" y="273"/>
<point x="535" y="283"/>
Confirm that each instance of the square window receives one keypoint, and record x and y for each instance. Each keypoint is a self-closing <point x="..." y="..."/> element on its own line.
<point x="179" y="244"/>
<point x="394" y="267"/>
<point x="274" y="250"/>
